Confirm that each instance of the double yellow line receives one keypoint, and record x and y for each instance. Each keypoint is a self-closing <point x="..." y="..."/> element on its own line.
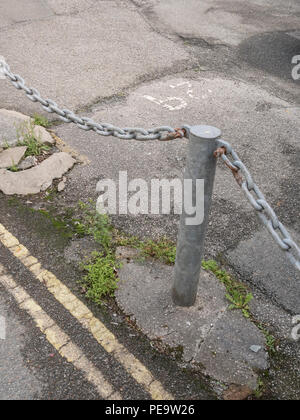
<point x="59" y="340"/>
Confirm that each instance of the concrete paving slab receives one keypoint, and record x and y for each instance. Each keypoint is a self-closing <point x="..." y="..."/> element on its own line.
<point x="13" y="124"/>
<point x="208" y="333"/>
<point x="37" y="179"/>
<point x="28" y="163"/>
<point x="11" y="157"/>
<point x="80" y="58"/>
<point x="227" y="352"/>
<point x="222" y="21"/>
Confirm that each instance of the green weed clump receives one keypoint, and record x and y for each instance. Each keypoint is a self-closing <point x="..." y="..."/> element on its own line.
<point x="41" y="120"/>
<point x="27" y="137"/>
<point x="237" y="293"/>
<point x="162" y="250"/>
<point x="101" y="279"/>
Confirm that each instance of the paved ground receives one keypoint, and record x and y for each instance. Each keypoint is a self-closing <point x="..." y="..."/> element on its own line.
<point x="34" y="361"/>
<point x="210" y="335"/>
<point x="150" y="63"/>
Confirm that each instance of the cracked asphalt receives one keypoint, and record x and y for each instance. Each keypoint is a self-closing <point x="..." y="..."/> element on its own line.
<point x="150" y="63"/>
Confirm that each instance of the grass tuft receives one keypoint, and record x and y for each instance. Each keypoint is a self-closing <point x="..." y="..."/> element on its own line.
<point x="101" y="279"/>
<point x="14" y="168"/>
<point x="163" y="250"/>
<point x="27" y="137"/>
<point x="41" y="120"/>
<point x="237" y="294"/>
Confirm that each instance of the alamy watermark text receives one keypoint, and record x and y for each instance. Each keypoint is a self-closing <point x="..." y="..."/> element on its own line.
<point x="160" y="196"/>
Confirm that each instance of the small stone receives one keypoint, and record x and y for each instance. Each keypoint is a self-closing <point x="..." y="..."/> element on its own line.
<point x="255" y="349"/>
<point x="28" y="163"/>
<point x="10" y="121"/>
<point x="61" y="186"/>
<point x="11" y="157"/>
<point x="44" y="136"/>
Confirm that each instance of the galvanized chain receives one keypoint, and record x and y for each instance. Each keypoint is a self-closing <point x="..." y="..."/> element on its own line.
<point x="163" y="133"/>
<point x="256" y="198"/>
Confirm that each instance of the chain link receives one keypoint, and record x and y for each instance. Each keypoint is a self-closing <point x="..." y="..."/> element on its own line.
<point x="163" y="133"/>
<point x="257" y="200"/>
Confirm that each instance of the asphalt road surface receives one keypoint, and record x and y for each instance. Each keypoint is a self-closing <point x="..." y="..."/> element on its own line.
<point x="148" y="63"/>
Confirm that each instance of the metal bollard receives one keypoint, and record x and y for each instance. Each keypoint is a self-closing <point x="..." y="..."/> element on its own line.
<point x="201" y="165"/>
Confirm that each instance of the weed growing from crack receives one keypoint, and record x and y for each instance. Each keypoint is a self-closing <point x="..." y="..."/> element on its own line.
<point x="103" y="265"/>
<point x="27" y="137"/>
<point x="101" y="279"/>
<point x="41" y="120"/>
<point x="270" y="339"/>
<point x="5" y="145"/>
<point x="95" y="224"/>
<point x="239" y="297"/>
<point x="237" y="293"/>
<point x="162" y="250"/>
<point x="99" y="226"/>
<point x="14" y="168"/>
<point x="258" y="392"/>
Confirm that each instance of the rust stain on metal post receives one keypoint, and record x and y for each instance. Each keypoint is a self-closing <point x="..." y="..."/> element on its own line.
<point x="235" y="171"/>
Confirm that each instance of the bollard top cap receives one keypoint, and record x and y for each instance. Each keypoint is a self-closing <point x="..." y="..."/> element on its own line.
<point x="205" y="132"/>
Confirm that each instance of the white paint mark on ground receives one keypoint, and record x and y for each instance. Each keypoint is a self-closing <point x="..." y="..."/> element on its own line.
<point x="169" y="103"/>
<point x="176" y="103"/>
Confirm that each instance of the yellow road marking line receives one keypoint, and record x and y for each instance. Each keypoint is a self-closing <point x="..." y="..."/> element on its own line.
<point x="102" y="334"/>
<point x="57" y="338"/>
